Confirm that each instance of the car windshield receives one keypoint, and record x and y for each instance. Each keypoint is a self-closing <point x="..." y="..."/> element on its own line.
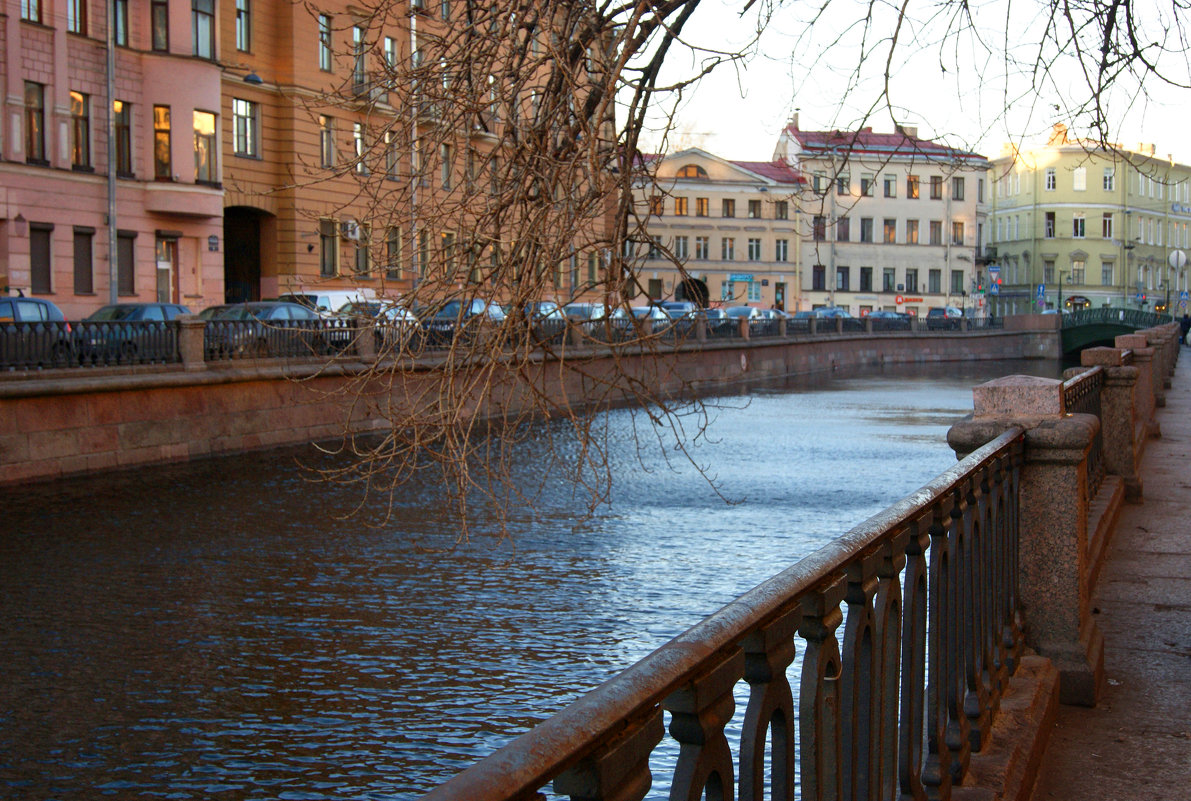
<point x="237" y="312"/>
<point x="739" y="311"/>
<point x="309" y="301"/>
<point x="116" y="313"/>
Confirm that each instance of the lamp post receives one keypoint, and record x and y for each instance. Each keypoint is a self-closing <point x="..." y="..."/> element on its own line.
<point x="1059" y="305"/>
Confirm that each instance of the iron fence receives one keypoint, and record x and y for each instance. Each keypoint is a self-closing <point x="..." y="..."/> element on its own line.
<point x="928" y="589"/>
<point x="1081" y="395"/>
<point x="108" y="343"/>
<point x="259" y="339"/>
<point x="37" y="345"/>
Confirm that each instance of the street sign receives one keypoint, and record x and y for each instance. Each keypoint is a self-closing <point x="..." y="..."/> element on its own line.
<point x="1041" y="290"/>
<point x="993" y="289"/>
<point x="1184" y="295"/>
<point x="899" y="300"/>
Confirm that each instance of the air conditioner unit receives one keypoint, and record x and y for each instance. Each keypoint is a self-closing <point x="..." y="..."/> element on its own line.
<point x="349" y="229"/>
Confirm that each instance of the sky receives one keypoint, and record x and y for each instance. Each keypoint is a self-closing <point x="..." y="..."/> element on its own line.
<point x="974" y="89"/>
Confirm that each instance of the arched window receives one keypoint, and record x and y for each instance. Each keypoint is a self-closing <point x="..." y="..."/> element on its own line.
<point x="692" y="171"/>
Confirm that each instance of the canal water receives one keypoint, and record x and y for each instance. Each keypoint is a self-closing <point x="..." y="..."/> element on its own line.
<point x="228" y="630"/>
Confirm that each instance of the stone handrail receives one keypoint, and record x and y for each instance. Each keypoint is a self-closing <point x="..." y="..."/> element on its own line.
<point x="931" y="639"/>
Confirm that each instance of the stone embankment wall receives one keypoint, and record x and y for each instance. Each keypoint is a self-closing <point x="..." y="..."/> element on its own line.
<point x="63" y="423"/>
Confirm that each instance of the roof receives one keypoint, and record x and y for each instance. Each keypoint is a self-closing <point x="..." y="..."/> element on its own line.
<point x="773" y="170"/>
<point x="865" y="140"/>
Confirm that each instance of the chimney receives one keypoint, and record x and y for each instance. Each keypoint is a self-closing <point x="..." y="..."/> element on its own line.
<point x="910" y="131"/>
<point x="794" y="121"/>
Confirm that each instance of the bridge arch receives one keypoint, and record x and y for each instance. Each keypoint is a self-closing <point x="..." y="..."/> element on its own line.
<point x="1090" y="328"/>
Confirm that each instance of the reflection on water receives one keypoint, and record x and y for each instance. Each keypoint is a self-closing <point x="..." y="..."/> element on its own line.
<point x="220" y="630"/>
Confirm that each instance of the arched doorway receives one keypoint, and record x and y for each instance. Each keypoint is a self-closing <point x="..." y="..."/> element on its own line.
<point x="248" y="235"/>
<point x="694" y="290"/>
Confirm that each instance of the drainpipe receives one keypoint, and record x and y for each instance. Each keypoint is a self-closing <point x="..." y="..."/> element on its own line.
<point x="113" y="253"/>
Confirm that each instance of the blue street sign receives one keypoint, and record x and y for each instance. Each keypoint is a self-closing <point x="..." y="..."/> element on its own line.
<point x="1041" y="290"/>
<point x="1184" y="295"/>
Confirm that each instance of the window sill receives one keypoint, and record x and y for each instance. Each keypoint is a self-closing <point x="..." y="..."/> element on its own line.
<point x="37" y="162"/>
<point x="82" y="168"/>
<point x="250" y="156"/>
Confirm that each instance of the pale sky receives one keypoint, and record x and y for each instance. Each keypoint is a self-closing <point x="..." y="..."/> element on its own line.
<point x="961" y="90"/>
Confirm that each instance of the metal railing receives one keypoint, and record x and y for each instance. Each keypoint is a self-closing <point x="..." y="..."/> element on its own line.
<point x="103" y="344"/>
<point x="1081" y="395"/>
<point x="928" y="589"/>
<point x="1133" y="318"/>
<point x="255" y="339"/>
<point x="40" y="345"/>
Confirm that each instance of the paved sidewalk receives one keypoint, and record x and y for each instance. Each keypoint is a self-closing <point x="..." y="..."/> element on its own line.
<point x="1136" y="744"/>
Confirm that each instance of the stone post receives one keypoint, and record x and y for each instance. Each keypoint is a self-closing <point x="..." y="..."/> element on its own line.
<point x="364" y="335"/>
<point x="1053" y="578"/>
<point x="1156" y="340"/>
<point x="868" y="325"/>
<point x="782" y="327"/>
<point x="1143" y="359"/>
<point x="1120" y="449"/>
<point x="812" y="325"/>
<point x="743" y="328"/>
<point x="701" y="327"/>
<point x="191" y="342"/>
<point x="839" y="325"/>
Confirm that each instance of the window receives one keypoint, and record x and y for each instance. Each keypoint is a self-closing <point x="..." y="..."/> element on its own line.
<point x="593" y="263"/>
<point x="843" y="230"/>
<point x="934" y="281"/>
<point x="754" y="291"/>
<point x="912" y="187"/>
<point x="957" y="232"/>
<point x="691" y="171"/>
<point x="245" y="128"/>
<point x="1078" y="271"/>
<point x="1048" y="271"/>
<point x="754" y="209"/>
<point x="243" y="25"/>
<point x="728" y="248"/>
<point x="1048" y="230"/>
<point x="1051" y="179"/>
<point x="1109" y="179"/>
<point x="359" y="65"/>
<point x="202" y="20"/>
<point x="843" y="280"/>
<point x="120" y="10"/>
<point x="866" y="184"/>
<point x="957" y="188"/>
<point x="655" y="248"/>
<point x="361" y="166"/>
<point x="701" y="207"/>
<point x="390" y="52"/>
<point x="681" y="247"/>
<point x="890" y="230"/>
<point x="781" y="250"/>
<point x="35" y="122"/>
<point x="1079" y="179"/>
<point x="979" y="190"/>
<point x="444" y="10"/>
<point x="80" y="130"/>
<point x="76" y="16"/>
<point x="324" y="42"/>
<point x="392" y="159"/>
<point x="40" y="277"/>
<point x="843" y="184"/>
<point x="362" y="258"/>
<point x="911" y="279"/>
<point x="122" y="112"/>
<point x="819" y="278"/>
<point x="1106" y="273"/>
<point x="888" y="279"/>
<point x="159" y="22"/>
<point x="31" y="10"/>
<point x="911" y="232"/>
<point x="936" y="232"/>
<point x="205" y="167"/>
<point x="866" y="229"/>
<point x="957" y="282"/>
<point x="326" y="140"/>
<point x="393" y="254"/>
<point x="163" y="169"/>
<point x="680" y="206"/>
<point x="936" y="187"/>
<point x="819" y="228"/>
<point x="890" y="186"/>
<point x="328" y="248"/>
<point x="754" y="249"/>
<point x="725" y="290"/>
<point x="1078" y="226"/>
<point x="446" y="158"/>
<point x="125" y="262"/>
<point x="83" y="273"/>
<point x="702" y="247"/>
<point x="656" y="205"/>
<point x="781" y="210"/>
<point x="866" y="279"/>
<point x="819" y="183"/>
<point x="728" y="207"/>
<point x="1106" y="225"/>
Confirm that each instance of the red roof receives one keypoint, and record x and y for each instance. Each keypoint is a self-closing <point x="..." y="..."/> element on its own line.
<point x="866" y="141"/>
<point x="774" y="170"/>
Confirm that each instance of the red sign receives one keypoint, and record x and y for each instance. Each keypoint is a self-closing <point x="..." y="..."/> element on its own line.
<point x="899" y="300"/>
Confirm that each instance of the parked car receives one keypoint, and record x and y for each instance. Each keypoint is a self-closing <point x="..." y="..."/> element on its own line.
<point x="546" y="319"/>
<point x="459" y="320"/>
<point x="886" y="320"/>
<point x="598" y="321"/>
<point x="394" y="324"/>
<point x="659" y="318"/>
<point x="124" y="333"/>
<point x="938" y="317"/>
<point x="680" y="308"/>
<point x="747" y="312"/>
<point x="269" y="328"/>
<point x="719" y="323"/>
<point x="327" y="302"/>
<point x="34" y="333"/>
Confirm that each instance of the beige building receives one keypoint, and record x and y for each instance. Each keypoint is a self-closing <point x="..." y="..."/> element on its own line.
<point x="732" y="226"/>
<point x="1076" y="225"/>
<point x="888" y="221"/>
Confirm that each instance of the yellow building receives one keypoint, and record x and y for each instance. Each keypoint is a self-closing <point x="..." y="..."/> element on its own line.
<point x="1078" y="225"/>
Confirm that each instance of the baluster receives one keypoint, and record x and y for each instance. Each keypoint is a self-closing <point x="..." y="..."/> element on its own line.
<point x="958" y="651"/>
<point x="994" y="535"/>
<point x="767" y="654"/>
<point x="619" y="770"/>
<point x="1014" y="636"/>
<point x="943" y="739"/>
<point x="699" y="712"/>
<point x="913" y="673"/>
<point x="859" y="735"/>
<point x="819" y="693"/>
<point x="977" y="703"/>
<point x="887" y="611"/>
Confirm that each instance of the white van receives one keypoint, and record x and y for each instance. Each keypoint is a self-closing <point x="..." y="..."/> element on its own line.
<point x="328" y="301"/>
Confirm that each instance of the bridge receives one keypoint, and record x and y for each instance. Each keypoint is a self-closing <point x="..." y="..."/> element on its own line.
<point x="1089" y="328"/>
<point x="937" y="638"/>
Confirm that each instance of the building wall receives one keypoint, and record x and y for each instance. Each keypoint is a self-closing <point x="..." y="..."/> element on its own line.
<point x="73" y="199"/>
<point x="1145" y="199"/>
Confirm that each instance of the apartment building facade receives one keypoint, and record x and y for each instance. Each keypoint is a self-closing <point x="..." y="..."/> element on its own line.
<point x="1077" y="225"/>
<point x="732" y="225"/>
<point x="160" y="214"/>
<point x="888" y="221"/>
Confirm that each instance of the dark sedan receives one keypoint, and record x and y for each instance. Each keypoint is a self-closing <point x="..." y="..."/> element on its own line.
<point x="270" y="328"/>
<point x="129" y="333"/>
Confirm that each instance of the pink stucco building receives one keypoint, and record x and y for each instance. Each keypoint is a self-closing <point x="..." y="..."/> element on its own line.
<point x="57" y="149"/>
